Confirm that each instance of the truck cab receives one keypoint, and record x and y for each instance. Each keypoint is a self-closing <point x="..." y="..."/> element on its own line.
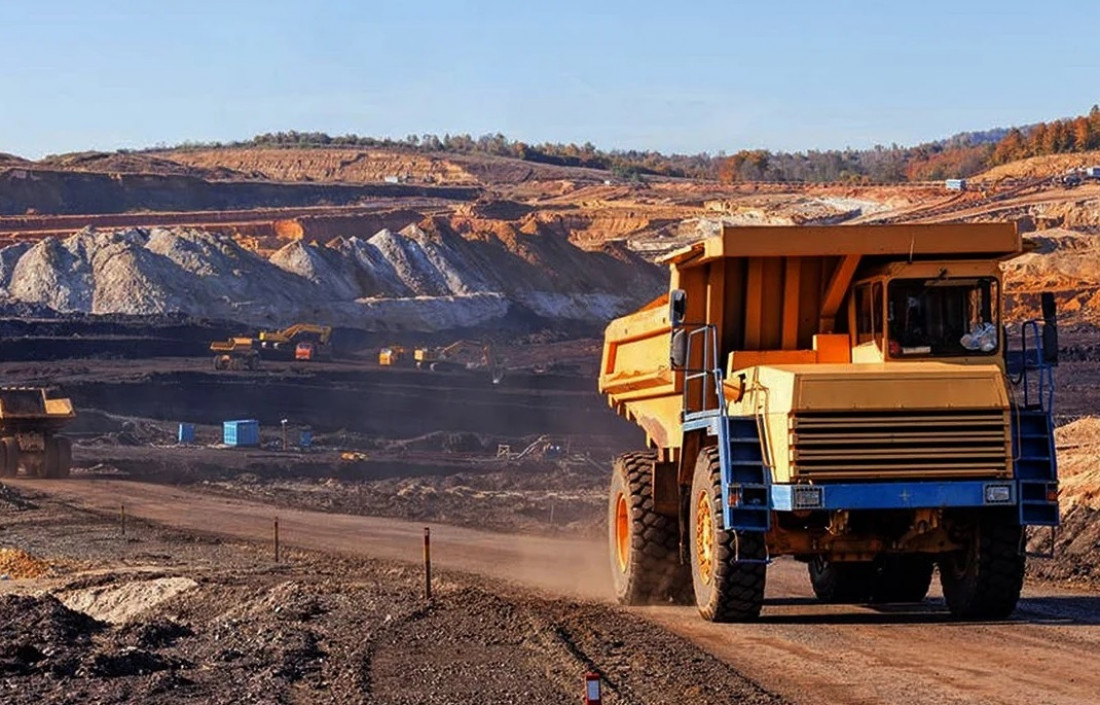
<point x="934" y="311"/>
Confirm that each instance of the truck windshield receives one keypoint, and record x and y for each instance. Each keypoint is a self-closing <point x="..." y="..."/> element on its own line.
<point x="942" y="317"/>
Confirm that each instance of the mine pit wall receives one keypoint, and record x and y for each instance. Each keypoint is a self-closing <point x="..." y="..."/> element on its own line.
<point x="391" y="404"/>
<point x="60" y="192"/>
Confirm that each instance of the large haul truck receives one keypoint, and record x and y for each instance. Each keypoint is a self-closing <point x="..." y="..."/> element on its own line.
<point x="29" y="425"/>
<point x="843" y="395"/>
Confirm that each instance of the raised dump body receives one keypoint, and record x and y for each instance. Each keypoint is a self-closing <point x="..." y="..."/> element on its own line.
<point x="29" y="422"/>
<point x="839" y="394"/>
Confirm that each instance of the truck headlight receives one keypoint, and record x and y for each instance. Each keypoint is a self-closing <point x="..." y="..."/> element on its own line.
<point x="998" y="494"/>
<point x="805" y="497"/>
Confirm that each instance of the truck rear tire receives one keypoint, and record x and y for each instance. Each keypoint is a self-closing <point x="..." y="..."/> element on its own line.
<point x="903" y="578"/>
<point x="59" y="457"/>
<point x="9" y="457"/>
<point x="841" y="583"/>
<point x="645" y="545"/>
<point x="728" y="569"/>
<point x="984" y="580"/>
<point x="50" y="462"/>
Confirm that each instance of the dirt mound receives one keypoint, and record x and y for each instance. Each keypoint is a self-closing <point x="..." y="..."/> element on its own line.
<point x="41" y="635"/>
<point x="17" y="564"/>
<point x="118" y="604"/>
<point x="418" y="279"/>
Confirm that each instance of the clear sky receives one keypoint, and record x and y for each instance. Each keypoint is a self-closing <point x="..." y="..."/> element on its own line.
<point x="684" y="76"/>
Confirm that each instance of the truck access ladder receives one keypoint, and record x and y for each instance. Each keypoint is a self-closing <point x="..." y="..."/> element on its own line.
<point x="746" y="476"/>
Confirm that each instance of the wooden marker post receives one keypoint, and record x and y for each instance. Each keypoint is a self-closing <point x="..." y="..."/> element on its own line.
<point x="427" y="563"/>
<point x="276" y="539"/>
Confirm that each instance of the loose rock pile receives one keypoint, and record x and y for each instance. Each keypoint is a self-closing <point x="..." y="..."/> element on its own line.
<point x="412" y="280"/>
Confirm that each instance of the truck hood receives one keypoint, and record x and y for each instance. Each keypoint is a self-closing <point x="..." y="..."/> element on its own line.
<point x="917" y="386"/>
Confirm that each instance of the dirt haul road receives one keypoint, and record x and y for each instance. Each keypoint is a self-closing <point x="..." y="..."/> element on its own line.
<point x="1049" y="652"/>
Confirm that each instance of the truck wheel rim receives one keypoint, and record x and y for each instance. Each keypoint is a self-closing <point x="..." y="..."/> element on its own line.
<point x="704" y="537"/>
<point x="622" y="533"/>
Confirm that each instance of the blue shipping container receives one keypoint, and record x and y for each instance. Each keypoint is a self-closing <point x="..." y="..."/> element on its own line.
<point x="305" y="438"/>
<point x="245" y="432"/>
<point x="187" y="433"/>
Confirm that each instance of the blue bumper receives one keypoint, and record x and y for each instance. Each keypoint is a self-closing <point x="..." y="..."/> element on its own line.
<point x="915" y="495"/>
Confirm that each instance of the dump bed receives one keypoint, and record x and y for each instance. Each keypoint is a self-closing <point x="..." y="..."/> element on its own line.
<point x="770" y="296"/>
<point x="23" y="408"/>
<point x="233" y="345"/>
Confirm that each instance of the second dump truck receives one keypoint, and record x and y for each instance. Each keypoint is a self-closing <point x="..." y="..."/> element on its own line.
<point x="843" y="395"/>
<point x="29" y="426"/>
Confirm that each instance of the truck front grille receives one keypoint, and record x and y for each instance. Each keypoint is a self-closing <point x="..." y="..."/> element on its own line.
<point x="861" y="444"/>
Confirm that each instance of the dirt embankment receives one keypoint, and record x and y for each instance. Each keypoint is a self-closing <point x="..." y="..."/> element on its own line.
<point x="1040" y="167"/>
<point x="59" y="192"/>
<point x="1064" y="262"/>
<point x="341" y="165"/>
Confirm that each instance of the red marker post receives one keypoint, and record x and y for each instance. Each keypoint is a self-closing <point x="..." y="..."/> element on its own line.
<point x="592" y="692"/>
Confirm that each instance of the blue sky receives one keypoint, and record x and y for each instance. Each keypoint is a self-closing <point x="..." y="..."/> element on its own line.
<point x="683" y="77"/>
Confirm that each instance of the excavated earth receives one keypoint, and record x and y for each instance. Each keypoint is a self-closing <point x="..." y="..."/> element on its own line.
<point x="158" y="616"/>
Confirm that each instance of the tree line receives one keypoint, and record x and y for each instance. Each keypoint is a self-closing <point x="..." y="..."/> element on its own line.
<point x="959" y="156"/>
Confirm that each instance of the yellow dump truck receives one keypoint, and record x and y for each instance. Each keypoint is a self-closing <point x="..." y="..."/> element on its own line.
<point x="29" y="422"/>
<point x="843" y="395"/>
<point x="236" y="353"/>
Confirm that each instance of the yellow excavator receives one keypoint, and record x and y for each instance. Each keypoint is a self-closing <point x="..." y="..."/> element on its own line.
<point x="460" y="355"/>
<point x="288" y="343"/>
<point x="301" y="341"/>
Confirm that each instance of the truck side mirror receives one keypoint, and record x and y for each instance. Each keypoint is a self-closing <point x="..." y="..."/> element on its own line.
<point x="678" y="350"/>
<point x="677" y="307"/>
<point x="1050" y="328"/>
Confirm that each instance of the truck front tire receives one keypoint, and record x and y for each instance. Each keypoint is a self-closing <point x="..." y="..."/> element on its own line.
<point x="645" y="555"/>
<point x="728" y="568"/>
<point x="984" y="580"/>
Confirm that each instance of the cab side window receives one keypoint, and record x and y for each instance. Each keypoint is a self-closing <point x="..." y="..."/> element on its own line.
<point x="876" y="312"/>
<point x="864" y="314"/>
